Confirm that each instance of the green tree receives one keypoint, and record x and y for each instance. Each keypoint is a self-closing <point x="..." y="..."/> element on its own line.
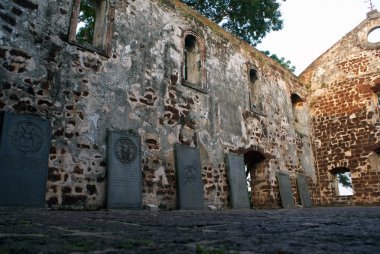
<point x="286" y="63"/>
<point x="250" y="20"/>
<point x="86" y="21"/>
<point x="344" y="179"/>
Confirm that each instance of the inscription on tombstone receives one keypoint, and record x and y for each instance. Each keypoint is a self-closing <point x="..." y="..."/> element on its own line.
<point x="24" y="152"/>
<point x="189" y="177"/>
<point x="237" y="181"/>
<point x="303" y="191"/>
<point x="286" y="193"/>
<point x="124" y="170"/>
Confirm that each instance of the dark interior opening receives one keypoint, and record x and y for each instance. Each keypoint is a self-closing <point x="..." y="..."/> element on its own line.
<point x="253" y="75"/>
<point x="190" y="42"/>
<point x="295" y="98"/>
<point x="253" y="161"/>
<point x="253" y="158"/>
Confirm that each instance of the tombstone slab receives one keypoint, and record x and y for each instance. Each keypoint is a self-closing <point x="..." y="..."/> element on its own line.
<point x="237" y="181"/>
<point x="124" y="170"/>
<point x="303" y="191"/>
<point x="189" y="178"/>
<point x="24" y="154"/>
<point x="286" y="192"/>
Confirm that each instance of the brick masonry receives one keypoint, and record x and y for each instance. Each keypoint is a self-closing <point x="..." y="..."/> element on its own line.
<point x="344" y="110"/>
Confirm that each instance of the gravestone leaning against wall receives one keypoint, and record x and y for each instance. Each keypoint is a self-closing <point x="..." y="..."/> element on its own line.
<point x="303" y="190"/>
<point x="189" y="177"/>
<point x="286" y="192"/>
<point x="237" y="181"/>
<point x="124" y="170"/>
<point x="24" y="152"/>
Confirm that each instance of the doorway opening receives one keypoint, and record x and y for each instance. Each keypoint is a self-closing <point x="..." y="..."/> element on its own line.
<point x="255" y="173"/>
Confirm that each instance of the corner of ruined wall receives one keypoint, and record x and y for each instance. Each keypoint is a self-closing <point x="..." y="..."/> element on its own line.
<point x="343" y="86"/>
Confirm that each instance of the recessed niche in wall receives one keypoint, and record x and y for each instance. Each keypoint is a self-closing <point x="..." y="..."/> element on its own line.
<point x="254" y="91"/>
<point x="300" y="114"/>
<point x="374" y="35"/>
<point x="374" y="160"/>
<point x="253" y="76"/>
<point x="193" y="65"/>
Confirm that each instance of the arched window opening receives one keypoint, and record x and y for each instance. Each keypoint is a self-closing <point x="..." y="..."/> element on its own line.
<point x="297" y="106"/>
<point x="255" y="172"/>
<point x="254" y="95"/>
<point x="376" y="95"/>
<point x="296" y="99"/>
<point x="91" y="25"/>
<point x="193" y="61"/>
<point x="253" y="76"/>
<point x="377" y="87"/>
<point x="300" y="114"/>
<point x="342" y="181"/>
<point x="375" y="160"/>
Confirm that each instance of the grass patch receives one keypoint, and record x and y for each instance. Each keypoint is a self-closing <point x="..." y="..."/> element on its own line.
<point x="81" y="246"/>
<point x="132" y="243"/>
<point x="147" y="243"/>
<point x="203" y="250"/>
<point x="128" y="245"/>
<point x="5" y="251"/>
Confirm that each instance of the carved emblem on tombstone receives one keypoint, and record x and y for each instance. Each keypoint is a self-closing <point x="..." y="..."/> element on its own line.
<point x="125" y="150"/>
<point x="24" y="155"/>
<point x="190" y="175"/>
<point x="26" y="137"/>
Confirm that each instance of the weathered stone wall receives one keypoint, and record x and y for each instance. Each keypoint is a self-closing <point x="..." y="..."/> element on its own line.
<point x="139" y="88"/>
<point x="345" y="114"/>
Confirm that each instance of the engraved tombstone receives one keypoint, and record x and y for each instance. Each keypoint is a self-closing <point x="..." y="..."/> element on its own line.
<point x="189" y="177"/>
<point x="286" y="193"/>
<point x="24" y="153"/>
<point x="303" y="191"/>
<point x="124" y="170"/>
<point x="237" y="181"/>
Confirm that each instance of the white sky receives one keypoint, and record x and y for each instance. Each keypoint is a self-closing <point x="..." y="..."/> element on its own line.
<point x="313" y="26"/>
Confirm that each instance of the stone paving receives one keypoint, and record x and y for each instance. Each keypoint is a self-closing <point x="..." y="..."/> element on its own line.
<point x="315" y="230"/>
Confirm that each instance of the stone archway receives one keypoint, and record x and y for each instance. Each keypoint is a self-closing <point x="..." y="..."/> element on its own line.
<point x="255" y="172"/>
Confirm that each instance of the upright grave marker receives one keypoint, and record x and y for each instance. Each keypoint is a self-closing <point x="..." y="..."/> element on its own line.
<point x="285" y="190"/>
<point x="189" y="177"/>
<point x="303" y="191"/>
<point x="237" y="181"/>
<point x="124" y="170"/>
<point x="24" y="153"/>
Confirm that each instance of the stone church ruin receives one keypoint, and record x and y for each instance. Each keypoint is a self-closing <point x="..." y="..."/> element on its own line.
<point x="155" y="104"/>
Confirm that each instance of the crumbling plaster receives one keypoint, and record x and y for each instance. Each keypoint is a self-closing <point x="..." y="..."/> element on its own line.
<point x="138" y="88"/>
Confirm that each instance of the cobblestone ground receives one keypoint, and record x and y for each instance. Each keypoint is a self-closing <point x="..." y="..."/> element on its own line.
<point x="316" y="230"/>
